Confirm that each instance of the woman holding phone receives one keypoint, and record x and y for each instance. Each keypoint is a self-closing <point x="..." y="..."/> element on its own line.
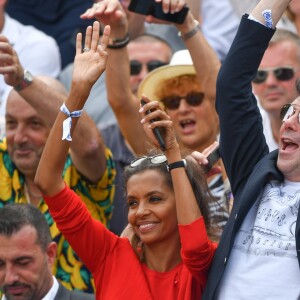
<point x="167" y="196"/>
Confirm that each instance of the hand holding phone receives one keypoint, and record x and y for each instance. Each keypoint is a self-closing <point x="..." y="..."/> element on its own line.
<point x="153" y="8"/>
<point x="212" y="158"/>
<point x="156" y="130"/>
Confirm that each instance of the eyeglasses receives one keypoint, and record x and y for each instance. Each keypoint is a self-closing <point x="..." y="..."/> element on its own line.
<point x="192" y="99"/>
<point x="288" y="111"/>
<point x="281" y="73"/>
<point x="155" y="160"/>
<point x="136" y="66"/>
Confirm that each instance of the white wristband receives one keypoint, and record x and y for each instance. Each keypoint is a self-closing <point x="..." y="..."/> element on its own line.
<point x="67" y="124"/>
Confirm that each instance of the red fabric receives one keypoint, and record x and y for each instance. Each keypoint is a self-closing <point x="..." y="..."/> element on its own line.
<point x="117" y="272"/>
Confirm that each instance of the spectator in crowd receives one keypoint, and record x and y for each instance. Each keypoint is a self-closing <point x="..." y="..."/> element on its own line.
<point x="275" y="81"/>
<point x="146" y="53"/>
<point x="258" y="254"/>
<point x="201" y="119"/>
<point x="31" y="110"/>
<point x="27" y="256"/>
<point x="166" y="196"/>
<point x="37" y="51"/>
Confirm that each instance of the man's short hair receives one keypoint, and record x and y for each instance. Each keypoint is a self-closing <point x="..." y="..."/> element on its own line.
<point x="148" y="37"/>
<point x="282" y="35"/>
<point x="13" y="217"/>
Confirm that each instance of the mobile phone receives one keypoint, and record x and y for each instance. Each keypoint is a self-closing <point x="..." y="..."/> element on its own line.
<point x="212" y="158"/>
<point x="156" y="130"/>
<point x="153" y="8"/>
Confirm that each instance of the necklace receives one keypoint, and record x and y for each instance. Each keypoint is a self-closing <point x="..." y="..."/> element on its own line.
<point x="29" y="195"/>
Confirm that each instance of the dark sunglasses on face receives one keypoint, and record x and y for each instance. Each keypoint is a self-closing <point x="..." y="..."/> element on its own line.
<point x="288" y="111"/>
<point x="136" y="66"/>
<point x="192" y="99"/>
<point x="281" y="74"/>
<point x="155" y="160"/>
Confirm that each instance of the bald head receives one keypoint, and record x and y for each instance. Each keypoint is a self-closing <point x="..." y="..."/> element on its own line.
<point x="53" y="83"/>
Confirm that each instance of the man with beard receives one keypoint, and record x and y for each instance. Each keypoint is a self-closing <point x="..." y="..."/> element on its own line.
<point x="27" y="255"/>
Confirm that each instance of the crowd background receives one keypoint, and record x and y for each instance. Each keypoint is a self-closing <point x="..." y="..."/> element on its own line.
<point x="40" y="37"/>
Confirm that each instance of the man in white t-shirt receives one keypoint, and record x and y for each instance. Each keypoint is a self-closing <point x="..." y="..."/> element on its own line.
<point x="27" y="254"/>
<point x="37" y="51"/>
<point x="258" y="256"/>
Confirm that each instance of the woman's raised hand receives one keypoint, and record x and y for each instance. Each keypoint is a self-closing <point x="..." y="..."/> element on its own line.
<point x="90" y="62"/>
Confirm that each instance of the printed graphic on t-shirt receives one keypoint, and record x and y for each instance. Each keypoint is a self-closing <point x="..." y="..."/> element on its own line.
<point x="273" y="232"/>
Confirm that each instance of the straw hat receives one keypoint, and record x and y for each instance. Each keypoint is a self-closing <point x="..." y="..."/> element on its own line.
<point x="180" y="64"/>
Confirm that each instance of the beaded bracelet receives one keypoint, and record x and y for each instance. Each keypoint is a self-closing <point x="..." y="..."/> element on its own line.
<point x="119" y="43"/>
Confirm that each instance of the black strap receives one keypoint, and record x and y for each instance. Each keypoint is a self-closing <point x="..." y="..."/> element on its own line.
<point x="177" y="164"/>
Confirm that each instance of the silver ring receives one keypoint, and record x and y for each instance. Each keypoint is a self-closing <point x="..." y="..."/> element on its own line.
<point x="86" y="49"/>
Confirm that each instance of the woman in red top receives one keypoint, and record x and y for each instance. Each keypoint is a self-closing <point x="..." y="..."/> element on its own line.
<point x="167" y="197"/>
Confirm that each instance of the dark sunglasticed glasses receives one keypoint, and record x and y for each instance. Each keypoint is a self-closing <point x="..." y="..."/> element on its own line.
<point x="288" y="111"/>
<point x="136" y="66"/>
<point x="192" y="99"/>
<point x="281" y="73"/>
<point x="155" y="160"/>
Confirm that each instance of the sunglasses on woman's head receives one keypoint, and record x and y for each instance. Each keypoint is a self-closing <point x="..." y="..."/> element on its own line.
<point x="136" y="66"/>
<point x="192" y="99"/>
<point x="281" y="74"/>
<point x="155" y="160"/>
<point x="288" y="111"/>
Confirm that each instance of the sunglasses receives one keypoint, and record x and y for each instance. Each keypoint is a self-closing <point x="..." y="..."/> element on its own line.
<point x="155" y="160"/>
<point x="192" y="99"/>
<point x="136" y="66"/>
<point x="288" y="111"/>
<point x="281" y="73"/>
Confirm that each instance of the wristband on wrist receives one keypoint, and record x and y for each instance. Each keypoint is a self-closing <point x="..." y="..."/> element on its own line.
<point x="119" y="43"/>
<point x="177" y="164"/>
<point x="67" y="123"/>
<point x="188" y="35"/>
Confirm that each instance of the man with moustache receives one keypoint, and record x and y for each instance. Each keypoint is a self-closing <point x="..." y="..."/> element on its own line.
<point x="27" y="256"/>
